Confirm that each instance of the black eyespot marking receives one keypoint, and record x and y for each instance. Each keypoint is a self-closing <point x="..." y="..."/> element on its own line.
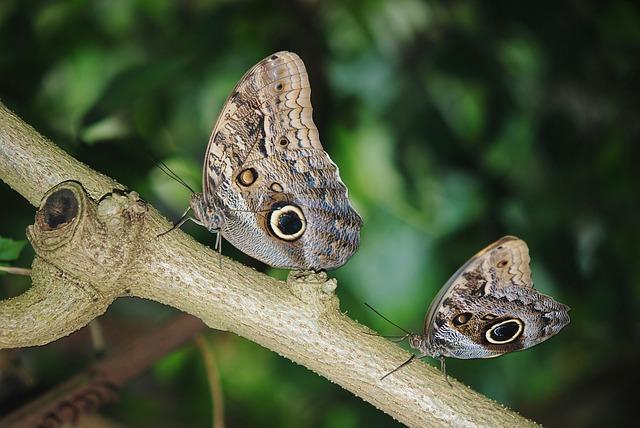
<point x="247" y="177"/>
<point x="274" y="57"/>
<point x="287" y="222"/>
<point x="283" y="142"/>
<point x="505" y="331"/>
<point x="500" y="247"/>
<point x="461" y="319"/>
<point x="502" y="263"/>
<point x="279" y="87"/>
<point x="489" y="317"/>
<point x="278" y="101"/>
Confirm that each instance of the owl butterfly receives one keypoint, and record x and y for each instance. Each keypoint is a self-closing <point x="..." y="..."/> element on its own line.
<point x="269" y="188"/>
<point x="488" y="308"/>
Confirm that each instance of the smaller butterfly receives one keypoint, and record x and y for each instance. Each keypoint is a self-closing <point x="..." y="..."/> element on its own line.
<point x="269" y="188"/>
<point x="488" y="308"/>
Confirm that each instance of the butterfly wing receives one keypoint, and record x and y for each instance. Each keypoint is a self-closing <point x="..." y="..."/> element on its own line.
<point x="489" y="306"/>
<point x="281" y="195"/>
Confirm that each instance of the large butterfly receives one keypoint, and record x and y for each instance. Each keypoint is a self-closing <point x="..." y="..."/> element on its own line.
<point x="269" y="188"/>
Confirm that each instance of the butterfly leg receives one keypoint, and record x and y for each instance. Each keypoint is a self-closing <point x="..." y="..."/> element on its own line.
<point x="218" y="246"/>
<point x="399" y="367"/>
<point x="443" y="369"/>
<point x="394" y="339"/>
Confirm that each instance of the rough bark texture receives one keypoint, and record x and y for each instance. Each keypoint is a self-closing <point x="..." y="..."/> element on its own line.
<point x="109" y="249"/>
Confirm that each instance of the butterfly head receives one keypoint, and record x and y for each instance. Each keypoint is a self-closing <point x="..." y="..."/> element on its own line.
<point x="416" y="341"/>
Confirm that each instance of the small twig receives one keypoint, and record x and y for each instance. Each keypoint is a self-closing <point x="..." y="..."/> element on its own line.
<point x="213" y="376"/>
<point x="16" y="270"/>
<point x="97" y="337"/>
<point x="99" y="384"/>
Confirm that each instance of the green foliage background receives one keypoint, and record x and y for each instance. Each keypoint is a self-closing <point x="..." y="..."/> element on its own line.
<point x="453" y="123"/>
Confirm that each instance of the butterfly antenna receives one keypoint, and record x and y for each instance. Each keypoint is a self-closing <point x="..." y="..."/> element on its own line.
<point x="165" y="168"/>
<point x="168" y="171"/>
<point x="388" y="320"/>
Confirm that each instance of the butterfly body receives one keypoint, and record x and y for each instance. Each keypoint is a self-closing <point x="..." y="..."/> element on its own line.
<point x="489" y="307"/>
<point x="269" y="187"/>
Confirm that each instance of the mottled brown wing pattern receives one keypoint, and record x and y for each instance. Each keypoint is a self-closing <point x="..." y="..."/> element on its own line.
<point x="269" y="186"/>
<point x="509" y="259"/>
<point x="489" y="307"/>
<point x="307" y="180"/>
<point x="270" y="104"/>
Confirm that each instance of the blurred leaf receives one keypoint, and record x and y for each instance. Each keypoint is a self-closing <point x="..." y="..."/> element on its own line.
<point x="512" y="156"/>
<point x="461" y="104"/>
<point x="171" y="365"/>
<point x="10" y="249"/>
<point x="342" y="417"/>
<point x="71" y="88"/>
<point x="368" y="76"/>
<point x="109" y="128"/>
<point x="393" y="24"/>
<point x="524" y="66"/>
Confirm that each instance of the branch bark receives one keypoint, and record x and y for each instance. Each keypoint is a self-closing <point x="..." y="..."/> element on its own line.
<point x="109" y="248"/>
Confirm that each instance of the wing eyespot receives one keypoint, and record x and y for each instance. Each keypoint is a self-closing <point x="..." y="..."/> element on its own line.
<point x="276" y="187"/>
<point x="283" y="142"/>
<point x="273" y="57"/>
<point x="502" y="263"/>
<point x="287" y="222"/>
<point x="247" y="177"/>
<point x="505" y="331"/>
<point x="461" y="319"/>
<point x="279" y="87"/>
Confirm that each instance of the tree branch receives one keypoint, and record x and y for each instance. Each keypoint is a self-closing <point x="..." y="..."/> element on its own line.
<point x="108" y="247"/>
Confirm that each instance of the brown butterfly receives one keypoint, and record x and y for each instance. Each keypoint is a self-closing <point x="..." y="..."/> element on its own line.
<point x="269" y="188"/>
<point x="488" y="308"/>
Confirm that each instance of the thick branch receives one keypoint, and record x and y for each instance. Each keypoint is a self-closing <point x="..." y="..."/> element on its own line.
<point x="110" y="249"/>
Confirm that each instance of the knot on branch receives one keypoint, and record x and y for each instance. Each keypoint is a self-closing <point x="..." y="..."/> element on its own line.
<point x="314" y="288"/>
<point x="83" y="251"/>
<point x="95" y="241"/>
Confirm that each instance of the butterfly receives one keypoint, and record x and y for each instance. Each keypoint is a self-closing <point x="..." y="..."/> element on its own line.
<point x="269" y="188"/>
<point x="488" y="308"/>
